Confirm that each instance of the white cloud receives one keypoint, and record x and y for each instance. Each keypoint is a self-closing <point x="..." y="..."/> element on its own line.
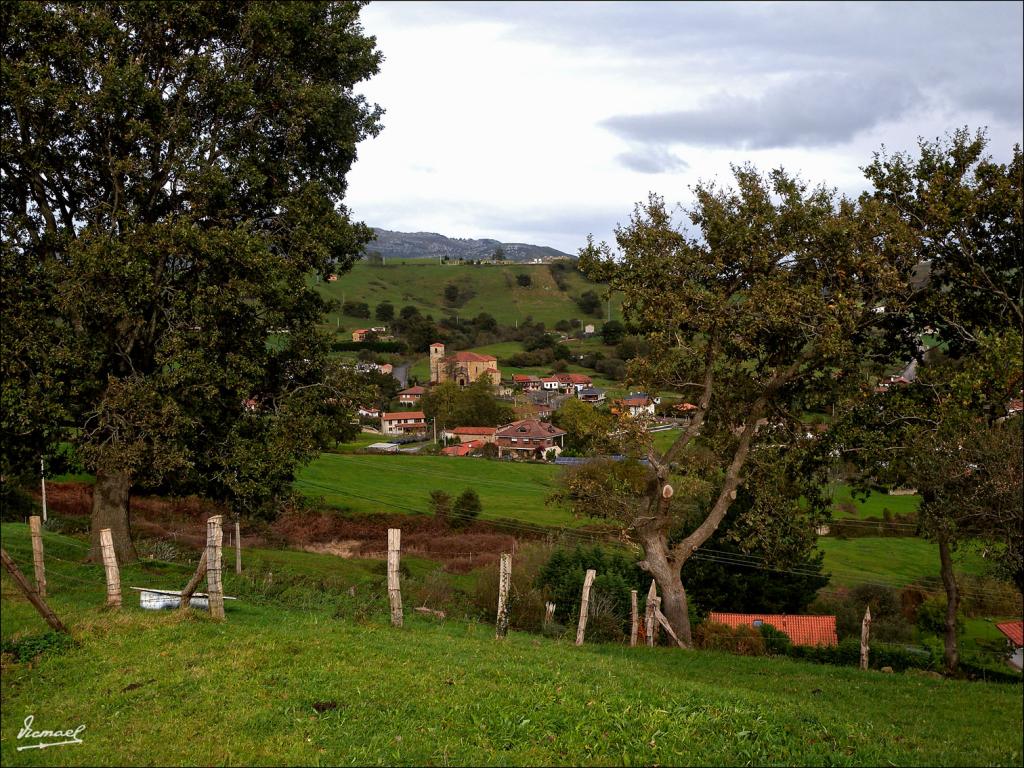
<point x="498" y="115"/>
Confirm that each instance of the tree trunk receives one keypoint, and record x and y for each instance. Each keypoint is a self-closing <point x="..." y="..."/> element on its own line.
<point x="111" y="499"/>
<point x="668" y="577"/>
<point x="952" y="604"/>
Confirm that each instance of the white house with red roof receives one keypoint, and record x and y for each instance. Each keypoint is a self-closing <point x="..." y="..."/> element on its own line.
<point x="403" y="423"/>
<point x="1014" y="631"/>
<point x="412" y="395"/>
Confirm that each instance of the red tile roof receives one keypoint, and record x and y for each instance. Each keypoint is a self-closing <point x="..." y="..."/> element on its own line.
<point x="472" y="357"/>
<point x="474" y="430"/>
<point x="1013" y="630"/>
<point x="403" y="415"/>
<point x="685" y="407"/>
<point x="636" y="402"/>
<point x="522" y="377"/>
<point x="802" y="630"/>
<point x="463" y="449"/>
<point x="413" y="391"/>
<point x="529" y="428"/>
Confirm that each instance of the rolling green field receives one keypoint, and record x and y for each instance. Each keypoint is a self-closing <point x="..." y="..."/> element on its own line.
<point x="369" y="483"/>
<point x="298" y="681"/>
<point x="889" y="560"/>
<point x="494" y="288"/>
<point x="875" y="504"/>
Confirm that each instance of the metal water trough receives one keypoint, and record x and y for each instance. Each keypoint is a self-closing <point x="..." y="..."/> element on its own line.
<point x="158" y="599"/>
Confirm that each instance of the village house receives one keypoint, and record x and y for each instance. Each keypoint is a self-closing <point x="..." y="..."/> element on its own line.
<point x="471" y="434"/>
<point x="529" y="439"/>
<point x="1014" y="631"/>
<point x="462" y="449"/>
<point x="572" y="382"/>
<point x="369" y="413"/>
<point x="636" y="404"/>
<point x="462" y="367"/>
<point x="591" y="395"/>
<point x="526" y="382"/>
<point x="403" y="423"/>
<point x="534" y="410"/>
<point x="412" y="395"/>
<point x="801" y="630"/>
<point x="360" y="334"/>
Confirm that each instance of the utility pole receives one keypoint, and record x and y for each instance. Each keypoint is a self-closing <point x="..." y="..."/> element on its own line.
<point x="435" y="429"/>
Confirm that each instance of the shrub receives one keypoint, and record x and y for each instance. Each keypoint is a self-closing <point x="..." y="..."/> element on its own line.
<point x="466" y="508"/>
<point x="28" y="648"/>
<point x="931" y="616"/>
<point x="525" y="599"/>
<point x="523" y="280"/>
<point x="562" y="579"/>
<point x="356" y="309"/>
<point x="776" y="642"/>
<point x="712" y="636"/>
<point x="441" y="505"/>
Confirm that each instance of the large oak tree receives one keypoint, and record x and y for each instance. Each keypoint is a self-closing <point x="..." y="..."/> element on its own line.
<point x="767" y="311"/>
<point x="172" y="173"/>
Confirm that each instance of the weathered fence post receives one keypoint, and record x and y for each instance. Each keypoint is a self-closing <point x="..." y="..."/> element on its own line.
<point x="238" y="546"/>
<point x="214" y="585"/>
<point x="42" y="474"/>
<point x="394" y="588"/>
<point x="549" y="612"/>
<point x="190" y="588"/>
<point x="36" y="527"/>
<point x="33" y="597"/>
<point x="504" y="580"/>
<point x="652" y="595"/>
<point x="110" y="568"/>
<point x="865" y="630"/>
<point x="581" y="629"/>
<point x="634" y="619"/>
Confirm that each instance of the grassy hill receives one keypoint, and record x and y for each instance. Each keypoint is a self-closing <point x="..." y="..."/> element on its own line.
<point x="299" y="678"/>
<point x="493" y="287"/>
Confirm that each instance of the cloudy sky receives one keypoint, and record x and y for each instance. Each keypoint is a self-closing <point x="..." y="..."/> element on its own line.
<point x="543" y="122"/>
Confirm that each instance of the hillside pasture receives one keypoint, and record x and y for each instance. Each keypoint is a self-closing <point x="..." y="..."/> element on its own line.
<point x="296" y="680"/>
<point x="491" y="288"/>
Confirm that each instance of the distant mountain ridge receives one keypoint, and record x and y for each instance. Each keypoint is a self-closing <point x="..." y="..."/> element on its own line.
<point x="431" y="245"/>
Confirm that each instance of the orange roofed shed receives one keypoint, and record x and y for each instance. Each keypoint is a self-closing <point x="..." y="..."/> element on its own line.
<point x="802" y="630"/>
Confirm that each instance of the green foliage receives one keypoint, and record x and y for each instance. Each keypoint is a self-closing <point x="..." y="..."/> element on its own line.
<point x="931" y="617"/>
<point x="441" y="505"/>
<point x="465" y="509"/>
<point x="788" y="547"/>
<point x="524" y="280"/>
<point x="474" y="405"/>
<point x="587" y="428"/>
<point x="356" y="309"/>
<point x="776" y="642"/>
<point x="176" y="192"/>
<point x="385" y="311"/>
<point x="562" y="579"/>
<point x="889" y="621"/>
<point x="29" y="647"/>
<point x="612" y="332"/>
<point x="589" y="303"/>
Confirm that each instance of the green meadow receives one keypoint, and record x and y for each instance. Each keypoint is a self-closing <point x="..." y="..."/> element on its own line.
<point x="303" y="676"/>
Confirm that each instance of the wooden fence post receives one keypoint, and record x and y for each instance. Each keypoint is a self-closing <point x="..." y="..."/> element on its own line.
<point x="549" y="612"/>
<point x="865" y="630"/>
<point x="36" y="527"/>
<point x="652" y="595"/>
<point x="110" y="568"/>
<point x="238" y="546"/>
<point x="33" y="597"/>
<point x="585" y="606"/>
<point x="504" y="580"/>
<point x="214" y="585"/>
<point x="634" y="619"/>
<point x="42" y="474"/>
<point x="190" y="588"/>
<point x="394" y="587"/>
